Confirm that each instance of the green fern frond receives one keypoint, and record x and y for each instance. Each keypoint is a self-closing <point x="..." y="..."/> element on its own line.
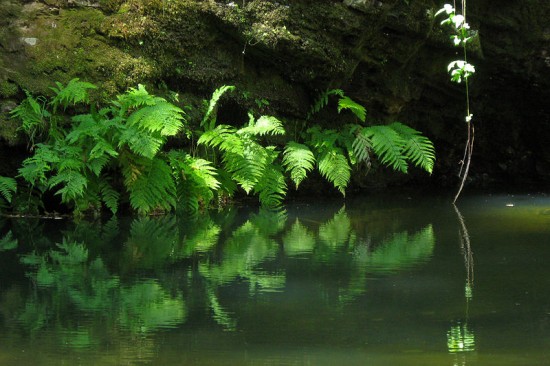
<point x="334" y="166"/>
<point x="388" y="145"/>
<point x="33" y="114"/>
<point x="35" y="168"/>
<point x="8" y="186"/>
<point x="141" y="142"/>
<point x="248" y="166"/>
<point x="75" y="92"/>
<point x="150" y="184"/>
<point x="73" y="182"/>
<point x="263" y="126"/>
<point x="109" y="195"/>
<point x="135" y="98"/>
<point x="418" y="149"/>
<point x="223" y="137"/>
<point x="196" y="180"/>
<point x="271" y="187"/>
<point x="298" y="160"/>
<point x="162" y="117"/>
<point x="209" y="120"/>
<point x="362" y="147"/>
<point x="322" y="101"/>
<point x="354" y="107"/>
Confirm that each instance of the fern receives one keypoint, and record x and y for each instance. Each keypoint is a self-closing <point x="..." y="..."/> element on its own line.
<point x="388" y="145"/>
<point x="74" y="92"/>
<point x="196" y="180"/>
<point x="334" y="166"/>
<point x="209" y="120"/>
<point x="298" y="160"/>
<point x="36" y="168"/>
<point x="162" y="117"/>
<point x="109" y="195"/>
<point x="322" y="101"/>
<point x="271" y="187"/>
<point x="33" y="115"/>
<point x="73" y="184"/>
<point x="355" y="108"/>
<point x="362" y="147"/>
<point x="150" y="184"/>
<point x="417" y="148"/>
<point x="263" y="126"/>
<point x="8" y="186"/>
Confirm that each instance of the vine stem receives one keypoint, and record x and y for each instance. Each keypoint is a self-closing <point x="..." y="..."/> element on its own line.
<point x="469" y="148"/>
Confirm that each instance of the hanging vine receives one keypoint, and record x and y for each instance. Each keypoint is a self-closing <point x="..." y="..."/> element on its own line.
<point x="460" y="71"/>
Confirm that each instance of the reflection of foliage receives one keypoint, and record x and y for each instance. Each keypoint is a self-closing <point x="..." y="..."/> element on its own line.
<point x="460" y="339"/>
<point x="402" y="250"/>
<point x="7" y="242"/>
<point x="337" y="231"/>
<point x="67" y="281"/>
<point x="298" y="240"/>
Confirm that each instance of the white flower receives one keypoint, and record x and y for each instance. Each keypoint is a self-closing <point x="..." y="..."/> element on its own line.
<point x="448" y="8"/>
<point x="469" y="118"/>
<point x="458" y="20"/>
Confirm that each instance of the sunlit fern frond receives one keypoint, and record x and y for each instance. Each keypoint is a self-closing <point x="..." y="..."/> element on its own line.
<point x="298" y="160"/>
<point x="322" y="101"/>
<point x="271" y="186"/>
<point x="150" y="185"/>
<point x="347" y="103"/>
<point x="265" y="125"/>
<point x="417" y="148"/>
<point x="388" y="145"/>
<point x="209" y="120"/>
<point x="334" y="166"/>
<point x="74" y="92"/>
<point x="162" y="117"/>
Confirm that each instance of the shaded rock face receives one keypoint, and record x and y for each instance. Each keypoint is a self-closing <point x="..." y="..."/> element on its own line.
<point x="390" y="56"/>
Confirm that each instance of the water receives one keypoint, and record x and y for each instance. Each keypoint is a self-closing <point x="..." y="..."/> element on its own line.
<point x="379" y="281"/>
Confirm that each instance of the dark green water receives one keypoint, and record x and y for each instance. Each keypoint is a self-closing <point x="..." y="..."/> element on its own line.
<point x="379" y="281"/>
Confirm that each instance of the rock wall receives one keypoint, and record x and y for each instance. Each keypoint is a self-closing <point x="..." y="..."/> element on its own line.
<point x="390" y="55"/>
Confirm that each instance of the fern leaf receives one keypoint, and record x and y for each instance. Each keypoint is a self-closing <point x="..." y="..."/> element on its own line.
<point x="322" y="101"/>
<point x="271" y="187"/>
<point x="74" y="184"/>
<point x="418" y="149"/>
<point x="209" y="120"/>
<point x="388" y="145"/>
<point x="135" y="98"/>
<point x="75" y="92"/>
<point x="263" y="126"/>
<point x="334" y="166"/>
<point x="109" y="195"/>
<point x="361" y="148"/>
<point x="32" y="113"/>
<point x="141" y="142"/>
<point x="354" y="107"/>
<point x="223" y="137"/>
<point x="8" y="186"/>
<point x="162" y="117"/>
<point x="298" y="160"/>
<point x="35" y="168"/>
<point x="150" y="184"/>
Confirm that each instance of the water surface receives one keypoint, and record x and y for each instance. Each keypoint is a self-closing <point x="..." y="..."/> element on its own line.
<point x="379" y="280"/>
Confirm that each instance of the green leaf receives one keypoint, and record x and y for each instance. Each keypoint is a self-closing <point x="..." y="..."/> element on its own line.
<point x="209" y="120"/>
<point x="388" y="146"/>
<point x="162" y="117"/>
<point x="75" y="92"/>
<point x="334" y="166"/>
<point x="8" y="186"/>
<point x="263" y="126"/>
<point x="298" y="160"/>
<point x="354" y="107"/>
<point x="418" y="149"/>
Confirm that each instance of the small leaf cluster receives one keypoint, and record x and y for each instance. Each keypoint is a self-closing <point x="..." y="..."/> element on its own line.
<point x="459" y="70"/>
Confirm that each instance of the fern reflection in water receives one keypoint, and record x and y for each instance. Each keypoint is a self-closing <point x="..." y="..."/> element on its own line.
<point x="192" y="262"/>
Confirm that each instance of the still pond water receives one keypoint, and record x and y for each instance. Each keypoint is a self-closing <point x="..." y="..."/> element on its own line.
<point x="379" y="281"/>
